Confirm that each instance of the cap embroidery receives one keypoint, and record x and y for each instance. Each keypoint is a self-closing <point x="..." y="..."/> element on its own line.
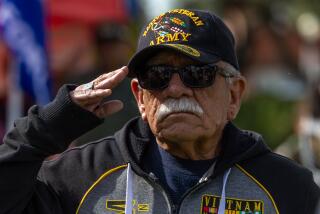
<point x="196" y="19"/>
<point x="171" y="38"/>
<point x="178" y="21"/>
<point x="187" y="49"/>
<point x="167" y="25"/>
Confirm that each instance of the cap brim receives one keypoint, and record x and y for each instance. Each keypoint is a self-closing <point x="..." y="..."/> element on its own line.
<point x="143" y="55"/>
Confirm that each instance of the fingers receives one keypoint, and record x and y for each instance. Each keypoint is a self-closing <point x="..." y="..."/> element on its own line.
<point x="90" y="99"/>
<point x="82" y="95"/>
<point x="111" y="79"/>
<point x="90" y="96"/>
<point x="108" y="108"/>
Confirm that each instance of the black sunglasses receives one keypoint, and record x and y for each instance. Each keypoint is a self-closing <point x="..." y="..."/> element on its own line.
<point x="156" y="77"/>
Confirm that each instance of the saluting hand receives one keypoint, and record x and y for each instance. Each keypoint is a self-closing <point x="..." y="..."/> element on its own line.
<point x="91" y="96"/>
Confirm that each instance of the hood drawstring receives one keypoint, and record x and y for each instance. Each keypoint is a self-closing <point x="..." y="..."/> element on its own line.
<point x="222" y="205"/>
<point x="129" y="191"/>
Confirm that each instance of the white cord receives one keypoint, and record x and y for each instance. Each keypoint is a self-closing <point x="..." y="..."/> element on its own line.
<point x="222" y="205"/>
<point x="129" y="192"/>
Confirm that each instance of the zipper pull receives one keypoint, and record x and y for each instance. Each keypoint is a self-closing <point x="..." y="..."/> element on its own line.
<point x="174" y="209"/>
<point x="153" y="176"/>
<point x="203" y="179"/>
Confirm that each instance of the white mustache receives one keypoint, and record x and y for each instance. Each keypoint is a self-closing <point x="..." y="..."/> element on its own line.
<point x="178" y="105"/>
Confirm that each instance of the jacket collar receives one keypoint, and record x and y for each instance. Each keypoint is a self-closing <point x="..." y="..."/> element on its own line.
<point x="236" y="145"/>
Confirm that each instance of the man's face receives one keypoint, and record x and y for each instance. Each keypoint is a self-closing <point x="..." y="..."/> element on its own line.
<point x="214" y="105"/>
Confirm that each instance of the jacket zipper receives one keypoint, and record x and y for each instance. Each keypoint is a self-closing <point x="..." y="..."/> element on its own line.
<point x="192" y="189"/>
<point x="205" y="179"/>
<point x="173" y="209"/>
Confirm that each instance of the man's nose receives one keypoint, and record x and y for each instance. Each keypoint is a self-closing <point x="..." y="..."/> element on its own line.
<point x="176" y="88"/>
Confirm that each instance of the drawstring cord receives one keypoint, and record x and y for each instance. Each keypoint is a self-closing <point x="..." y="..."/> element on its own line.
<point x="129" y="192"/>
<point x="222" y="205"/>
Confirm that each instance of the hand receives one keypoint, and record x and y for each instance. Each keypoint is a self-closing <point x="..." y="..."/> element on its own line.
<point x="91" y="96"/>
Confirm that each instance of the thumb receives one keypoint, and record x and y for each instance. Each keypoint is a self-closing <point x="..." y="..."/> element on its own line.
<point x="108" y="108"/>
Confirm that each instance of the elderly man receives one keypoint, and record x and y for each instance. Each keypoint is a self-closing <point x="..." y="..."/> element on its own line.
<point x="182" y="155"/>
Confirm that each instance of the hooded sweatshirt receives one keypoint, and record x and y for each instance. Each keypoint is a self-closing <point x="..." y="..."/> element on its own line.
<point x="106" y="176"/>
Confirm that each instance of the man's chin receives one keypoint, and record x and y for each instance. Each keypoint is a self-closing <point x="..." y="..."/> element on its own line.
<point x="178" y="130"/>
<point x="173" y="137"/>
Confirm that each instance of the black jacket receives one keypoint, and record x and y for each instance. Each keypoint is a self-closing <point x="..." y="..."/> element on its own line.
<point x="94" y="178"/>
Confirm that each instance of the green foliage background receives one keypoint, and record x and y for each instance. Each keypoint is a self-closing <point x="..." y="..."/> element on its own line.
<point x="268" y="115"/>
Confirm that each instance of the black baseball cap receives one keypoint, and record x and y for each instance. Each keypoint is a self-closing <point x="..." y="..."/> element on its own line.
<point x="198" y="34"/>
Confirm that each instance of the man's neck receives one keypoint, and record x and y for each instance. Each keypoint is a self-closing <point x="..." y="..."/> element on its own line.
<point x="193" y="150"/>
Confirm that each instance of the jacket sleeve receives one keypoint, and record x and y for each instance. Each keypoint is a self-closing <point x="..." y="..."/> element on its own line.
<point x="45" y="131"/>
<point x="312" y="197"/>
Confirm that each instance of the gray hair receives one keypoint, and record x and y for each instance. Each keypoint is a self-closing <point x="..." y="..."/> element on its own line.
<point x="228" y="71"/>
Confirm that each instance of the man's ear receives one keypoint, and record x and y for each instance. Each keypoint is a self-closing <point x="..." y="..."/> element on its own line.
<point x="237" y="89"/>
<point x="138" y="94"/>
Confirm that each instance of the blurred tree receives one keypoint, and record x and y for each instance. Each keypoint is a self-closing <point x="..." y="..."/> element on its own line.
<point x="269" y="116"/>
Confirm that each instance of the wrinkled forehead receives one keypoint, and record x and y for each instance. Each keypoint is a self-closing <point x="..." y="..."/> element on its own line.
<point x="170" y="57"/>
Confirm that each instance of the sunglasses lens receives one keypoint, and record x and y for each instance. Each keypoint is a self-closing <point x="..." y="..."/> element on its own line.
<point x="198" y="76"/>
<point x="193" y="76"/>
<point x="155" y="77"/>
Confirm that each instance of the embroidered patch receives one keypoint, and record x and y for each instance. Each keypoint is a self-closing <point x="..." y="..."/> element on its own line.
<point x="118" y="206"/>
<point x="155" y="22"/>
<point x="167" y="27"/>
<point x="185" y="48"/>
<point x="210" y="205"/>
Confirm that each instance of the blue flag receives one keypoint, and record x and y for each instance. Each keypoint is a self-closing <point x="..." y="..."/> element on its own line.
<point x="23" y="29"/>
<point x="133" y="7"/>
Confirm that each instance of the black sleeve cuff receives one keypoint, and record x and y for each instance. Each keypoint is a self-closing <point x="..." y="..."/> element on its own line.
<point x="66" y="120"/>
